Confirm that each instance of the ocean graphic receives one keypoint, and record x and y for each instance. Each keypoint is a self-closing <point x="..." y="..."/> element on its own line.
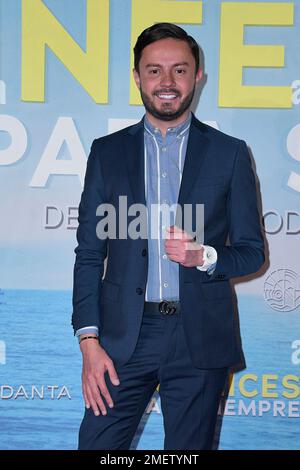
<point x="41" y="404"/>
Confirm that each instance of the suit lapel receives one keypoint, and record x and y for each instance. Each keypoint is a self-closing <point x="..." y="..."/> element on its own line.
<point x="134" y="156"/>
<point x="197" y="148"/>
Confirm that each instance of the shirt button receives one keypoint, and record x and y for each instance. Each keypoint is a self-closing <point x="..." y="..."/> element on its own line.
<point x="164" y="174"/>
<point x="166" y="284"/>
<point x="164" y="256"/>
<point x="139" y="290"/>
<point x="144" y="252"/>
<point x="164" y="149"/>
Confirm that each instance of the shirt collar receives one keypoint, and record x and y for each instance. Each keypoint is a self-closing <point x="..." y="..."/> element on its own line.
<point x="178" y="131"/>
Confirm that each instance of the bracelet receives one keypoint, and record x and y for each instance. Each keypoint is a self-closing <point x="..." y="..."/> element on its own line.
<point x="88" y="337"/>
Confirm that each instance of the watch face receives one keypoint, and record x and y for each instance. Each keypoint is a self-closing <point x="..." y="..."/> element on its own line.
<point x="210" y="254"/>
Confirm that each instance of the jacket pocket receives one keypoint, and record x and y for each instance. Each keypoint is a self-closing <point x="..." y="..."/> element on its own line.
<point x="216" y="290"/>
<point x="205" y="182"/>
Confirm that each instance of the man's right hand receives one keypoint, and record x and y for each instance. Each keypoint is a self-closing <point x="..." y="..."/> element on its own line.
<point x="95" y="363"/>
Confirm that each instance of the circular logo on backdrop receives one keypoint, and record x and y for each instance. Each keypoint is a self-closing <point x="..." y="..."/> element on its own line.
<point x="282" y="290"/>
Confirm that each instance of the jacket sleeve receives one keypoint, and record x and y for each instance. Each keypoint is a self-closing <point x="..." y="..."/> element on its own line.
<point x="91" y="251"/>
<point x="245" y="254"/>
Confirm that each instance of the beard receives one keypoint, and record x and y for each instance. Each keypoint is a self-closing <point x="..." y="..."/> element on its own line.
<point x="166" y="111"/>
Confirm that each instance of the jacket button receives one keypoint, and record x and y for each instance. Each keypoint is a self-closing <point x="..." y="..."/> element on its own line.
<point x="144" y="252"/>
<point x="139" y="290"/>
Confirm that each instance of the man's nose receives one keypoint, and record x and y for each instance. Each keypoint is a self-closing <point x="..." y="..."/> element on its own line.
<point x="167" y="79"/>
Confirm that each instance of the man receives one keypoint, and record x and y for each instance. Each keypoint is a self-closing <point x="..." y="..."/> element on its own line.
<point x="163" y="314"/>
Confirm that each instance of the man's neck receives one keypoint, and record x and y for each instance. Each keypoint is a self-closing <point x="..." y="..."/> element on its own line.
<point x="163" y="126"/>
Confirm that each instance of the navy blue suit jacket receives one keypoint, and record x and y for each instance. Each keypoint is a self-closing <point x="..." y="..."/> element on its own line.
<point x="217" y="173"/>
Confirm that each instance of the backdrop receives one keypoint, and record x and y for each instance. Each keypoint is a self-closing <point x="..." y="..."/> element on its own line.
<point x="65" y="78"/>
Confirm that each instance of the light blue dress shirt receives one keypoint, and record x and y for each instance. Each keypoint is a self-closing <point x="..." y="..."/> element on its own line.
<point x="164" y="161"/>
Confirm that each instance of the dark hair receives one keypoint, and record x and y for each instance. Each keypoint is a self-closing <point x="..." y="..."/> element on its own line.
<point x="163" y="31"/>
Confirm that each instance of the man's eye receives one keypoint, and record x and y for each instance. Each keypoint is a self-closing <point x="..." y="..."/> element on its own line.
<point x="154" y="71"/>
<point x="180" y="71"/>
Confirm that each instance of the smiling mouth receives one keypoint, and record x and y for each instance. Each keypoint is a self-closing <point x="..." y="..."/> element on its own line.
<point x="167" y="96"/>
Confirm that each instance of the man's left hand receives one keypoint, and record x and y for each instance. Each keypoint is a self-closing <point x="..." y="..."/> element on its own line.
<point x="182" y="248"/>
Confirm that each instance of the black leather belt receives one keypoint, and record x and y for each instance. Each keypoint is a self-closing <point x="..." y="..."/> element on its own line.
<point x="165" y="307"/>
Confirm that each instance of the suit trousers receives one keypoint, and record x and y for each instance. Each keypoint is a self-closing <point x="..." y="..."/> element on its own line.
<point x="189" y="396"/>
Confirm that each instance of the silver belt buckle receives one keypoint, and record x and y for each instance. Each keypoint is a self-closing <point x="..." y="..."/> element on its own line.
<point x="167" y="308"/>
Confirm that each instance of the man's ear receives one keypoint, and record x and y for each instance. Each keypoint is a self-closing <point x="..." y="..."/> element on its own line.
<point x="199" y="75"/>
<point x="137" y="79"/>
